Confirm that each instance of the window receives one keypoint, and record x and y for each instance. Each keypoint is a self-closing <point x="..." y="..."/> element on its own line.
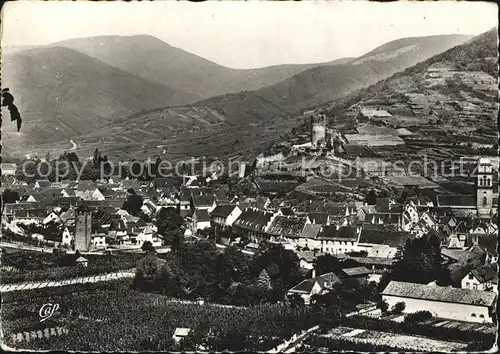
<point x="471" y="276"/>
<point x="473" y="315"/>
<point x="474" y="286"/>
<point x="485" y="201"/>
<point x="467" y="285"/>
<point x="481" y="316"/>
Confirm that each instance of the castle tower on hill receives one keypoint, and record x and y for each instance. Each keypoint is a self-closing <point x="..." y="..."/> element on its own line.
<point x="318" y="129"/>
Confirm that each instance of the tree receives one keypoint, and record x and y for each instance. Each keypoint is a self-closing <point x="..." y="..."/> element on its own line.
<point x="284" y="274"/>
<point x="133" y="204"/>
<point x="264" y="280"/>
<point x="419" y="262"/>
<point x="326" y="264"/>
<point x="149" y="271"/>
<point x="296" y="300"/>
<point x="168" y="221"/>
<point x="371" y="197"/>
<point x="10" y="196"/>
<point x="147" y="247"/>
<point x="177" y="240"/>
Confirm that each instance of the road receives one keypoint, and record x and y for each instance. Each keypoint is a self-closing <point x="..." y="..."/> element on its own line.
<point x="56" y="283"/>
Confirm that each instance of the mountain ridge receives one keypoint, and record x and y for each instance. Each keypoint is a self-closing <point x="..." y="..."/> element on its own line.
<point x="49" y="84"/>
<point x="163" y="63"/>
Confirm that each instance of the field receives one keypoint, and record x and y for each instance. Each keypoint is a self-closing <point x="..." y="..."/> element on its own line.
<point x="112" y="317"/>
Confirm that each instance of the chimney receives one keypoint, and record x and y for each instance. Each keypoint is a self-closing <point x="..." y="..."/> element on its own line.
<point x="313" y="273"/>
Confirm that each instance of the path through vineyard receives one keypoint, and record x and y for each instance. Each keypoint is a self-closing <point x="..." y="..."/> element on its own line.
<point x="56" y="283"/>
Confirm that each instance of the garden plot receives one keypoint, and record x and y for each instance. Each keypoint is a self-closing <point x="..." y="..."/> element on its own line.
<point x="405" y="342"/>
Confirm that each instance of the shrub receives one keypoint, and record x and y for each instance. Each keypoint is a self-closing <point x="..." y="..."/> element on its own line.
<point x="419" y="316"/>
<point x="398" y="308"/>
<point x="383" y="306"/>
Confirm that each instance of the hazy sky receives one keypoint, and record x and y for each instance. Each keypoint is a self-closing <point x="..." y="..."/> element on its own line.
<point x="248" y="34"/>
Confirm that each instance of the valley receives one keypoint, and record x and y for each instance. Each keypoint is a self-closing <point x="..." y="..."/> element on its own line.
<point x="228" y="125"/>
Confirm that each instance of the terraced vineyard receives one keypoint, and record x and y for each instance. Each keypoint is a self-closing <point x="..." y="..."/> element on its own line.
<point x="156" y="134"/>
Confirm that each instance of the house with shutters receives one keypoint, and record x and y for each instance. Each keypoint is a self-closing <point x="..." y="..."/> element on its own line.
<point x="338" y="240"/>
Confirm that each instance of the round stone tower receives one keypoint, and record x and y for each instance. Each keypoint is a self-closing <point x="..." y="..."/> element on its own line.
<point x="318" y="129"/>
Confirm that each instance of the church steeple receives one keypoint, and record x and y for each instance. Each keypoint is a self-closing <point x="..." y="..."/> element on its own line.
<point x="484" y="187"/>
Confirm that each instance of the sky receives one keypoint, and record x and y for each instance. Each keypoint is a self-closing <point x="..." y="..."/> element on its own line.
<point x="248" y="34"/>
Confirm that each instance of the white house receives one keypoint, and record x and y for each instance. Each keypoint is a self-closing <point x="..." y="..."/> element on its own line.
<point x="90" y="194"/>
<point x="316" y="285"/>
<point x="148" y="207"/>
<point x="483" y="278"/>
<point x="67" y="237"/>
<point x="444" y="302"/>
<point x="52" y="217"/>
<point x="225" y="215"/>
<point x="201" y="220"/>
<point x="381" y="243"/>
<point x="309" y="237"/>
<point x="67" y="192"/>
<point x="339" y="239"/>
<point x="149" y="233"/>
<point x="99" y="241"/>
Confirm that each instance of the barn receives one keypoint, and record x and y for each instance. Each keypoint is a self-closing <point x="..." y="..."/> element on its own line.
<point x="443" y="302"/>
